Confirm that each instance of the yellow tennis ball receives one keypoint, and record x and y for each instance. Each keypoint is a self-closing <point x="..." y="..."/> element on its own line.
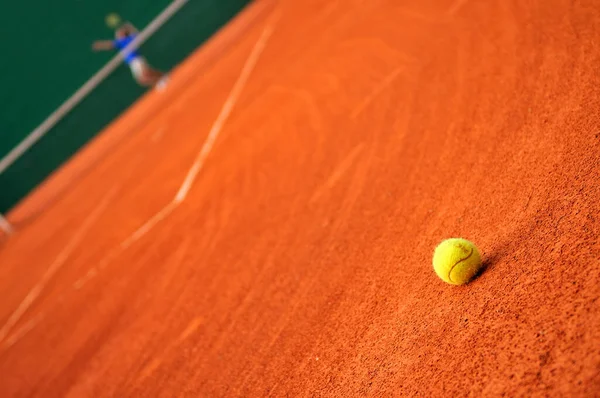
<point x="456" y="261"/>
<point x="112" y="20"/>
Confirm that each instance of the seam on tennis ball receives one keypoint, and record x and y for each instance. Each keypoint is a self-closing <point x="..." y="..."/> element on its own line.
<point x="458" y="262"/>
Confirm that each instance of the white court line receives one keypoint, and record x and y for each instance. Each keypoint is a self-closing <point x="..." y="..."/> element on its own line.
<point x="141" y="231"/>
<point x="23" y="331"/>
<point x="225" y="112"/>
<point x="215" y="130"/>
<point x="81" y="281"/>
<point x="56" y="265"/>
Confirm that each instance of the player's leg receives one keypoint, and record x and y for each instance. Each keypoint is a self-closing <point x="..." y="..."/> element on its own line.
<point x="152" y="76"/>
<point x="144" y="74"/>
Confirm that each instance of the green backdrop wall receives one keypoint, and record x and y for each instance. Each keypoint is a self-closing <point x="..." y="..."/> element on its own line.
<point x="46" y="57"/>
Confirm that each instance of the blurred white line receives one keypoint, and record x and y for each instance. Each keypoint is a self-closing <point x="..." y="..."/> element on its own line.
<point x="225" y="112"/>
<point x="56" y="265"/>
<point x="141" y="231"/>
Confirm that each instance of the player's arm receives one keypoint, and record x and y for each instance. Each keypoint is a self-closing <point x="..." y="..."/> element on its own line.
<point x="103" y="45"/>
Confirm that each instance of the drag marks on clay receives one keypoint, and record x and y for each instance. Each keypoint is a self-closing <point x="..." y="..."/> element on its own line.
<point x="313" y="109"/>
<point x="455" y="8"/>
<point x="156" y="362"/>
<point x="337" y="174"/>
<point x="385" y="83"/>
<point x="354" y="189"/>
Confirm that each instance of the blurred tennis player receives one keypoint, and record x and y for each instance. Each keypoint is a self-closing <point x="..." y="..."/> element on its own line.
<point x="143" y="73"/>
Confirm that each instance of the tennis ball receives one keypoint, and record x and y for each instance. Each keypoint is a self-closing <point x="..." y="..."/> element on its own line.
<point x="112" y="20"/>
<point x="456" y="261"/>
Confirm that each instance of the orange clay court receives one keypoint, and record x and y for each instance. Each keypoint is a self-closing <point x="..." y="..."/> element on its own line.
<point x="265" y="227"/>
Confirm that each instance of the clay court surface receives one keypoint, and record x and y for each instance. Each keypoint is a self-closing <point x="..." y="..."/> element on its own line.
<point x="321" y="150"/>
